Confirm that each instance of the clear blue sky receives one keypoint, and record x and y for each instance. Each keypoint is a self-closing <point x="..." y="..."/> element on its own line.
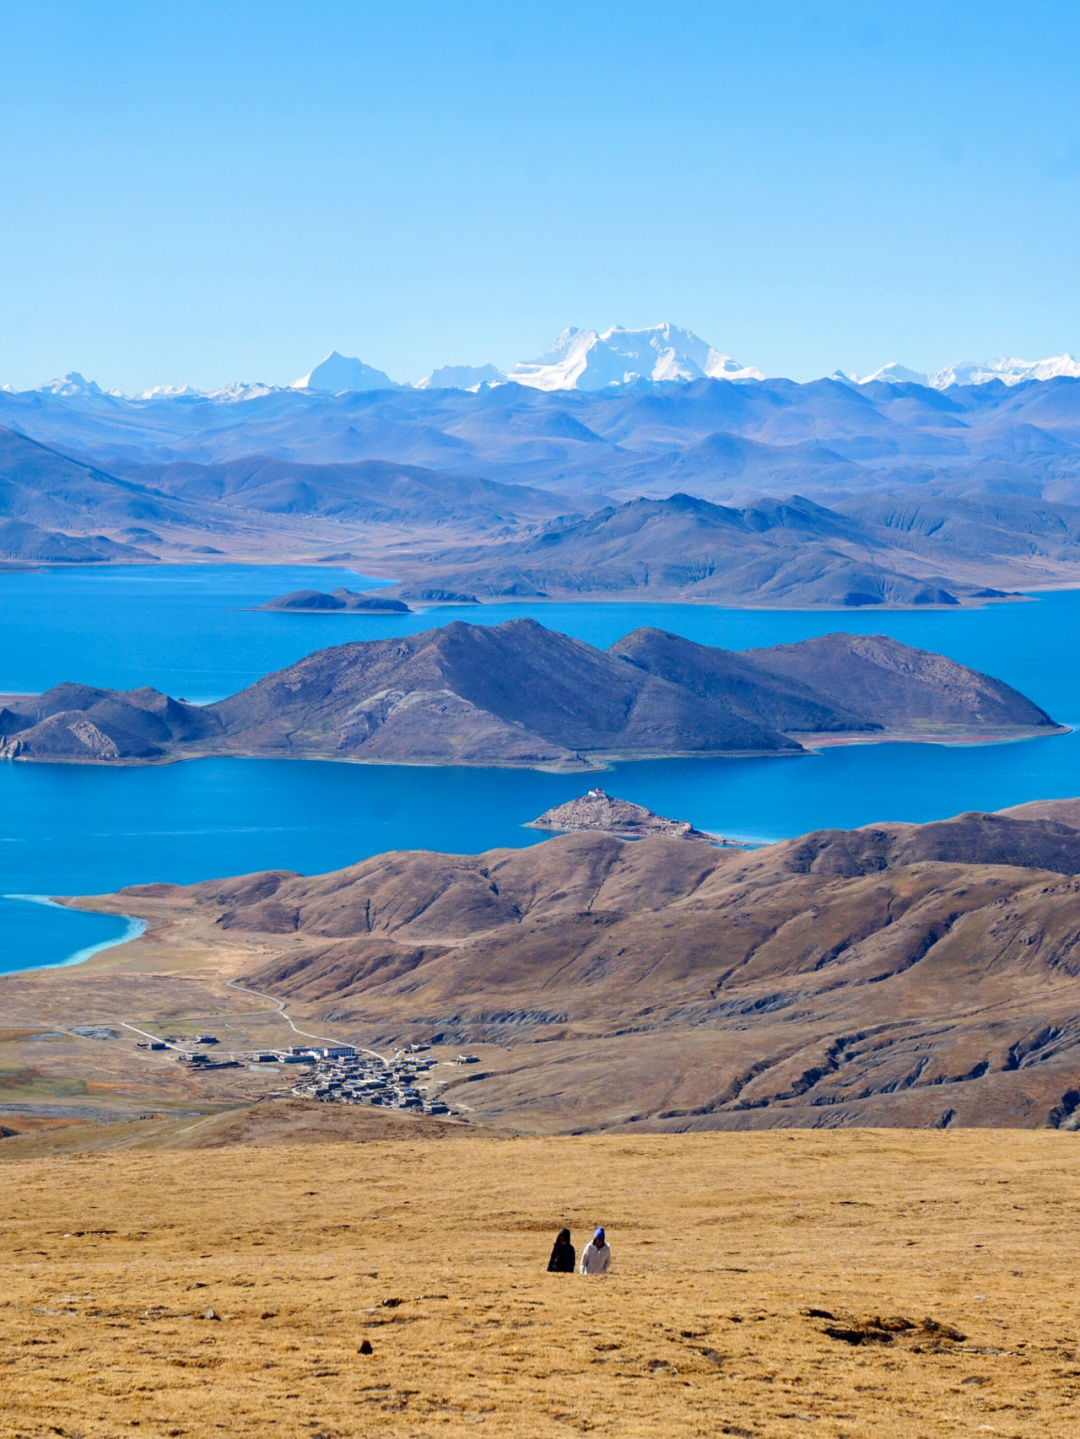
<point x="201" y="193"/>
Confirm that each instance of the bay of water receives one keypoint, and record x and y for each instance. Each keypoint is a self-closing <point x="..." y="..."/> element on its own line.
<point x="190" y="631"/>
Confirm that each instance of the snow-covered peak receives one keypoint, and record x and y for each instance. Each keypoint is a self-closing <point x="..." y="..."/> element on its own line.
<point x="170" y="392"/>
<point x="462" y="377"/>
<point x="338" y="373"/>
<point x="72" y="384"/>
<point x="238" y="390"/>
<point x="894" y="374"/>
<point x="1008" y="371"/>
<point x="588" y="360"/>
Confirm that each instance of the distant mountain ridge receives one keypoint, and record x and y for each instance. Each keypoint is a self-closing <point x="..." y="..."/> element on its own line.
<point x="462" y="377"/>
<point x="587" y="360"/>
<point x="909" y="495"/>
<point x="771" y="553"/>
<point x="969" y="372"/>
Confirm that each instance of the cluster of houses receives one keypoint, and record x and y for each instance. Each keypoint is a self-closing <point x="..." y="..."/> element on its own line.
<point x="333" y="1073"/>
<point x="342" y="1075"/>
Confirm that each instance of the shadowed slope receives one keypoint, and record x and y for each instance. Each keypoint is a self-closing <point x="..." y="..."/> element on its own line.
<point x="519" y="694"/>
<point x="896" y="974"/>
<point x="771" y="552"/>
<point x="837" y="681"/>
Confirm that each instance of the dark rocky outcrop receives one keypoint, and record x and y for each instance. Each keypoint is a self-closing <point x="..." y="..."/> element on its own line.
<point x="339" y="601"/>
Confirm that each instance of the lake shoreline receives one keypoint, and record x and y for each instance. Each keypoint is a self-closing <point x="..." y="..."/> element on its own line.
<point x="71" y="829"/>
<point x="135" y="928"/>
<point x="590" y="764"/>
<point x="570" y="597"/>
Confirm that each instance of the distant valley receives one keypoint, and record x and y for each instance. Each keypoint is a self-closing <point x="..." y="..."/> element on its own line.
<point x="724" y="490"/>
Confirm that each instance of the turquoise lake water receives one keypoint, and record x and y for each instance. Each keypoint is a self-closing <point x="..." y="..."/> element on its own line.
<point x="188" y="630"/>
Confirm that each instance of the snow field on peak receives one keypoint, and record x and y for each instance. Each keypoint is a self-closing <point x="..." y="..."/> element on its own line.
<point x="588" y="360"/>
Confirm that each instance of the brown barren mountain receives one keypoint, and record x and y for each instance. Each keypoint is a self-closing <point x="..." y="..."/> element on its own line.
<point x="896" y="974"/>
<point x="520" y="694"/>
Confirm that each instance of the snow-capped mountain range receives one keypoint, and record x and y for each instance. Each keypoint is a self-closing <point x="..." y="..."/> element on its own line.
<point x="585" y="360"/>
<point x="968" y="372"/>
<point x="575" y="360"/>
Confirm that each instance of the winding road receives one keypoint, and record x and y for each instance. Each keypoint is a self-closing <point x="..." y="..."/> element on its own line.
<point x="279" y="1007"/>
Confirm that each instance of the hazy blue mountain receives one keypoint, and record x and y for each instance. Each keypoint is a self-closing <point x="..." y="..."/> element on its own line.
<point x="982" y="466"/>
<point x="723" y="440"/>
<point x="462" y="377"/>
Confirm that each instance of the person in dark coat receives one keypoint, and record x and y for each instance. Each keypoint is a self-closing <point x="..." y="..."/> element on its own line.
<point x="562" y="1255"/>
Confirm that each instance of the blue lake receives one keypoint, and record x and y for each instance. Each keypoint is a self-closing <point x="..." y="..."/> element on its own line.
<point x="189" y="630"/>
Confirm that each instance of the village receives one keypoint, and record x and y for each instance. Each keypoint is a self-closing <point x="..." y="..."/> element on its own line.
<point x="343" y="1075"/>
<point x="334" y="1073"/>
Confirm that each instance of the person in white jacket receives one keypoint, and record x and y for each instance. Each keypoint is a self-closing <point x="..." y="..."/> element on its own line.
<point x="596" y="1256"/>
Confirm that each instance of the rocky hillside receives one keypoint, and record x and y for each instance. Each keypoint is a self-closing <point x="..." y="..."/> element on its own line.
<point x="892" y="975"/>
<point x="79" y="722"/>
<point x="770" y="553"/>
<point x="834" y="682"/>
<point x="520" y="694"/>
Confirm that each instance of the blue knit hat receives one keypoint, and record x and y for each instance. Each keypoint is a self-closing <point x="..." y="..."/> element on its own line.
<point x="598" y="1237"/>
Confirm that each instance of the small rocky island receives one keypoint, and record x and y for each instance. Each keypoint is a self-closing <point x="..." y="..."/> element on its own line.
<point x="339" y="601"/>
<point x="599" y="811"/>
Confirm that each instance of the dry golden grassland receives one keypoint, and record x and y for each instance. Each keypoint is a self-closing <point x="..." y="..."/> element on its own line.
<point x="228" y="1290"/>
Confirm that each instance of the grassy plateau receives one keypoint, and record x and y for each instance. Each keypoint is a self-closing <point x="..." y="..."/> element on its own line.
<point x="222" y="1275"/>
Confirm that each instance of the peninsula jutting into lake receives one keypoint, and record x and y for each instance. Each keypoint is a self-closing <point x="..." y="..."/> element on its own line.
<point x="663" y="983"/>
<point x="518" y="694"/>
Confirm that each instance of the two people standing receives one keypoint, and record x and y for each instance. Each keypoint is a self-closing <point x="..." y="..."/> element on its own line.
<point x="595" y="1257"/>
